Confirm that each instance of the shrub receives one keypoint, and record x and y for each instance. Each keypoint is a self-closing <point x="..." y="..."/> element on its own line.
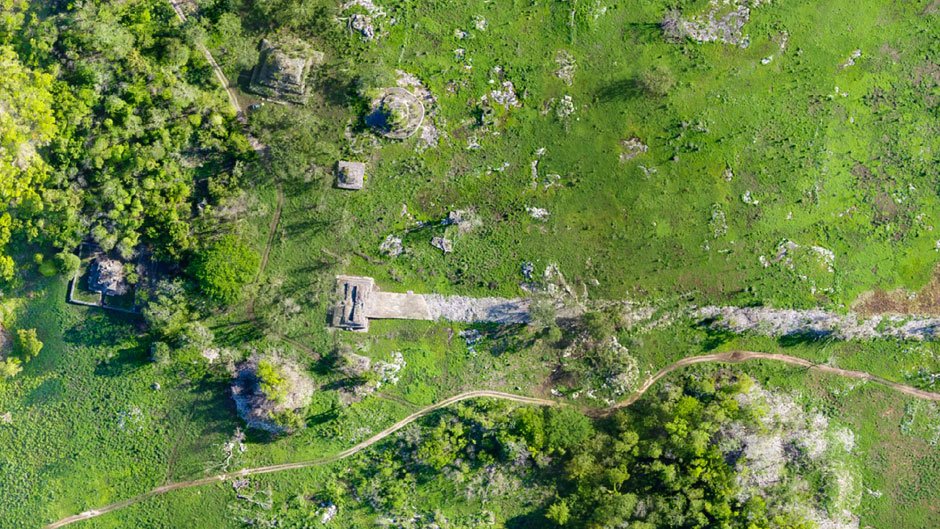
<point x="657" y="82"/>
<point x="224" y="268"/>
<point x="28" y="343"/>
<point x="68" y="263"/>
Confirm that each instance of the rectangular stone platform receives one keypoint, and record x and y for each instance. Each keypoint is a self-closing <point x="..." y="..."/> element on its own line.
<point x="359" y="300"/>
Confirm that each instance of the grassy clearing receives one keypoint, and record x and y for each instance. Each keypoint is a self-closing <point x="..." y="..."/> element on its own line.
<point x="822" y="153"/>
<point x="86" y="426"/>
<point x="853" y="174"/>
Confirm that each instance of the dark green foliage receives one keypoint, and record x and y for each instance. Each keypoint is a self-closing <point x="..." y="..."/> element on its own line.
<point x="224" y="268"/>
<point x="167" y="309"/>
<point x="28" y="343"/>
<point x="565" y="429"/>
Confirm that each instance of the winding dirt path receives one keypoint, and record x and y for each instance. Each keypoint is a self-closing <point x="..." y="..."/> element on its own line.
<point x="215" y="66"/>
<point x="732" y="357"/>
<point x="301" y="464"/>
<point x="735" y="357"/>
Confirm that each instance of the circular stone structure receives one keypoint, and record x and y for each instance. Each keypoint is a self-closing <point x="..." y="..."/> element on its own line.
<point x="396" y="113"/>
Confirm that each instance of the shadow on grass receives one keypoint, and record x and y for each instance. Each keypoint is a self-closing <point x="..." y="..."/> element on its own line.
<point x="311" y="226"/>
<point x="806" y="337"/>
<point x="532" y="520"/>
<point x="100" y="328"/>
<point x="237" y="333"/>
<point x="124" y="362"/>
<point x="715" y="336"/>
<point x="619" y="90"/>
<point x="646" y="32"/>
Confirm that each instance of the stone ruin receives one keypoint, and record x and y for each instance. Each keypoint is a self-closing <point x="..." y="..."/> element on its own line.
<point x="350" y="311"/>
<point x="358" y="300"/>
<point x="350" y="175"/>
<point x="283" y="69"/>
<point x="259" y="410"/>
<point x="396" y="114"/>
<point x="107" y="277"/>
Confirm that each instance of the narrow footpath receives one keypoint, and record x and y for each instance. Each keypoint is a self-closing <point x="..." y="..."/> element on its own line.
<point x="732" y="357"/>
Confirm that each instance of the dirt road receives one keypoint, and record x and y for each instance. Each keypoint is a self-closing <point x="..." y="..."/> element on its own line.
<point x="215" y="66"/>
<point x="732" y="357"/>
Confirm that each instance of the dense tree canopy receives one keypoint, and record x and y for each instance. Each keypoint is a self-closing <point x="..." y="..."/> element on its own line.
<point x="224" y="268"/>
<point x="110" y="127"/>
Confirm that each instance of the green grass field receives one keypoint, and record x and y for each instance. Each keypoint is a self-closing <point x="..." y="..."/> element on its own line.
<point x="843" y="159"/>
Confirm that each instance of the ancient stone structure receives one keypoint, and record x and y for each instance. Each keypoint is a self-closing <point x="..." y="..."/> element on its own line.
<point x="396" y="113"/>
<point x="283" y="69"/>
<point x="359" y="300"/>
<point x="107" y="277"/>
<point x="350" y="175"/>
<point x="349" y="312"/>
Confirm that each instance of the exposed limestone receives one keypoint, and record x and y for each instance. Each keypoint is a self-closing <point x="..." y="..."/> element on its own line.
<point x="632" y="148"/>
<point x="537" y="213"/>
<point x="442" y="244"/>
<point x="504" y="96"/>
<point x="362" y="17"/>
<point x="260" y="409"/>
<point x="392" y="246"/>
<point x="723" y="22"/>
<point x="107" y="277"/>
<point x="478" y="310"/>
<point x="396" y="113"/>
<point x="566" y="66"/>
<point x="428" y="131"/>
<point x="818" y="323"/>
<point x="350" y="175"/>
<point x="786" y="437"/>
<point x="851" y="60"/>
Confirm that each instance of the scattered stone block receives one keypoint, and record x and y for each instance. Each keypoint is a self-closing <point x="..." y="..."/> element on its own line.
<point x="350" y="175"/>
<point x="442" y="244"/>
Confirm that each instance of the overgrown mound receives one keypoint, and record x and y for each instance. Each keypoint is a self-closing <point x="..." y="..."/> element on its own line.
<point x="271" y="392"/>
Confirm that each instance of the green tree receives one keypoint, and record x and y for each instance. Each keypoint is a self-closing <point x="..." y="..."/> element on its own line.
<point x="559" y="512"/>
<point x="167" y="310"/>
<point x="600" y="325"/>
<point x="68" y="263"/>
<point x="28" y="343"/>
<point x="444" y="443"/>
<point x="566" y="428"/>
<point x="224" y="268"/>
<point x="271" y="381"/>
<point x="10" y="367"/>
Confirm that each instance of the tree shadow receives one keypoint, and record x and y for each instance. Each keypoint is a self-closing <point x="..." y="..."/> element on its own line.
<point x="324" y="417"/>
<point x="217" y="413"/>
<point x="238" y="332"/>
<point x="619" y="90"/>
<point x="100" y="327"/>
<point x="715" y="336"/>
<point x="312" y="226"/>
<point x="804" y="337"/>
<point x="126" y="361"/>
<point x="532" y="520"/>
<point x="337" y="91"/>
<point x="646" y="32"/>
